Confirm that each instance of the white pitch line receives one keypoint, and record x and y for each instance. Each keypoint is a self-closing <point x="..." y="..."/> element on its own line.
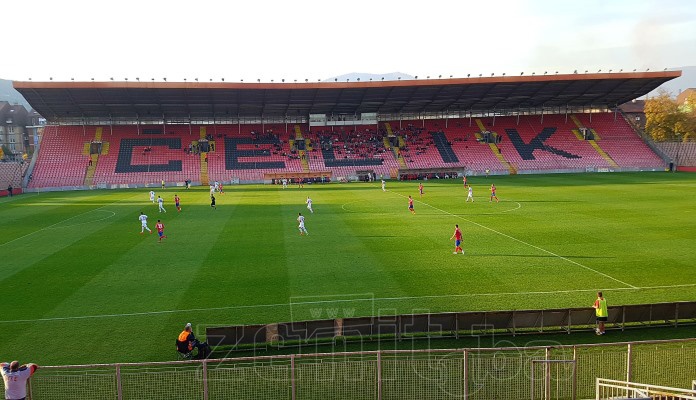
<point x="523" y="242"/>
<point x="444" y="296"/>
<point x="60" y="222"/>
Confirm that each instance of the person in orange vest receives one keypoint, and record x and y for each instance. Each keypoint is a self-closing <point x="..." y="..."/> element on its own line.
<point x="187" y="341"/>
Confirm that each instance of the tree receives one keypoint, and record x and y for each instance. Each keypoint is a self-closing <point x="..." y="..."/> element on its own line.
<point x="665" y="120"/>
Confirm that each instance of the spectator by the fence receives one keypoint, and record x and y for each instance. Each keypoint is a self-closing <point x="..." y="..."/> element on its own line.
<point x="9" y="190"/>
<point x="600" y="306"/>
<point x="187" y="342"/>
<point x="15" y="377"/>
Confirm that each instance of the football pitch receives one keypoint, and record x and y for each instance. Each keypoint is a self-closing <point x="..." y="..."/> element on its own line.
<point x="80" y="284"/>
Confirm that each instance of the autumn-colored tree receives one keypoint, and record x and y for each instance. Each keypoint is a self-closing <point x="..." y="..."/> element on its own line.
<point x="665" y="120"/>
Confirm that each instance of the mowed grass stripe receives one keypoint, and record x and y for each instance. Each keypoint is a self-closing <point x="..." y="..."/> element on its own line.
<point x="363" y="245"/>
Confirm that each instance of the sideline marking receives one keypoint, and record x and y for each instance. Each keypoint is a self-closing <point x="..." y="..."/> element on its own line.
<point x="523" y="242"/>
<point x="67" y="219"/>
<point x="444" y="296"/>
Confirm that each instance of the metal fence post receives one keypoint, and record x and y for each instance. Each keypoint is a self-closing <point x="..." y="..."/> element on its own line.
<point x="547" y="373"/>
<point x="205" y="379"/>
<point x="575" y="374"/>
<point x="629" y="359"/>
<point x="293" y="389"/>
<point x="465" y="372"/>
<point x="119" y="384"/>
<point x="379" y="375"/>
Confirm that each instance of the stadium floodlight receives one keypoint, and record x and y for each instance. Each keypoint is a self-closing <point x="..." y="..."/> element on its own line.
<point x="195" y="79"/>
<point x="72" y="79"/>
<point x="382" y="78"/>
<point x="647" y="70"/>
<point x="439" y="77"/>
<point x="295" y="80"/>
<point x="184" y="79"/>
<point x="621" y="70"/>
<point x="599" y="71"/>
<point x="585" y="71"/>
<point x="610" y="70"/>
<point x="634" y="70"/>
<point x="335" y="80"/>
<point x="272" y="81"/>
<point x="492" y="73"/>
<point x="222" y="79"/>
<point x="533" y="73"/>
<point x="126" y="79"/>
<point x="521" y="73"/>
<point x="575" y="72"/>
<point x="92" y="79"/>
<point x="546" y="72"/>
<point x="137" y="79"/>
<point x="416" y="77"/>
<point x="480" y="75"/>
<point x="153" y="79"/>
<point x="112" y="78"/>
<point x="556" y="72"/>
<point x="29" y="78"/>
<point x="307" y="80"/>
<point x="370" y="79"/>
<point x="503" y="73"/>
<point x="427" y="77"/>
<point x="450" y="76"/>
<point x="399" y="78"/>
<point x="258" y="80"/>
<point x="241" y="80"/>
<point x="358" y="79"/>
<point x="50" y="78"/>
<point x="467" y="75"/>
<point x="211" y="79"/>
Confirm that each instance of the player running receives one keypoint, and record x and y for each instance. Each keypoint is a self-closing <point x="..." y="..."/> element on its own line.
<point x="301" y="227"/>
<point x="177" y="202"/>
<point x="470" y="195"/>
<point x="143" y="223"/>
<point x="457" y="236"/>
<point x="464" y="180"/>
<point x="160" y="230"/>
<point x="420" y="189"/>
<point x="152" y="196"/>
<point x="384" y="186"/>
<point x="220" y="189"/>
<point x="410" y="205"/>
<point x="493" y="196"/>
<point x="212" y="202"/>
<point x="309" y="204"/>
<point x="160" y="202"/>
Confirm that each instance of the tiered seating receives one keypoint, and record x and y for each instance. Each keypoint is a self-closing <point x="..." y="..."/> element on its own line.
<point x="11" y="174"/>
<point x="350" y="149"/>
<point x="683" y="153"/>
<point x="60" y="161"/>
<point x="271" y="140"/>
<point x="140" y="154"/>
<point x="141" y="166"/>
<point x="561" y="149"/>
<point x="621" y="142"/>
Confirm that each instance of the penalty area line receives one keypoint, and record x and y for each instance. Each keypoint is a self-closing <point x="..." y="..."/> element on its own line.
<point x="523" y="242"/>
<point x="410" y="298"/>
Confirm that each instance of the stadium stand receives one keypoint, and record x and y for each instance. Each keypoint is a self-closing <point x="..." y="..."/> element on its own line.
<point x="11" y="174"/>
<point x="132" y="154"/>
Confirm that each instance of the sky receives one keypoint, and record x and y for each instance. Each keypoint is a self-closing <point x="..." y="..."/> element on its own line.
<point x="256" y="39"/>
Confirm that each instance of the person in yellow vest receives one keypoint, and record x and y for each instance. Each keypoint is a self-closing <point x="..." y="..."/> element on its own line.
<point x="186" y="342"/>
<point x="600" y="306"/>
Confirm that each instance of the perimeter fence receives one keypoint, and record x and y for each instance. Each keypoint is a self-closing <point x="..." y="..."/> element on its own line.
<point x="559" y="372"/>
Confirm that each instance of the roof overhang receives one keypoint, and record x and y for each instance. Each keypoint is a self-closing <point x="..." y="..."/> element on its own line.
<point x="60" y="100"/>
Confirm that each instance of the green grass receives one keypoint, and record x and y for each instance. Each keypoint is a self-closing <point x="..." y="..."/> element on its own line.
<point x="80" y="285"/>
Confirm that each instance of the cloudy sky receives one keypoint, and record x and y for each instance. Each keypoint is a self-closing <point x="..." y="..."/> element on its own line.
<point x="301" y="39"/>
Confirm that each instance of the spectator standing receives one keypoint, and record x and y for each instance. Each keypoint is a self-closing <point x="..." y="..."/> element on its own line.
<point x="600" y="306"/>
<point x="9" y="190"/>
<point x="15" y="378"/>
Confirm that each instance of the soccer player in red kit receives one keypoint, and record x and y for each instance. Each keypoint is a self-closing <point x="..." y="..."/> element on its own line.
<point x="177" y="201"/>
<point x="160" y="230"/>
<point x="457" y="236"/>
<point x="420" y="189"/>
<point x="410" y="205"/>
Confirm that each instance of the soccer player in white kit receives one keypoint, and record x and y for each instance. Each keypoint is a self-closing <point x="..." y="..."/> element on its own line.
<point x="285" y="183"/>
<point x="301" y="227"/>
<point x="216" y="186"/>
<point x="160" y="202"/>
<point x="309" y="205"/>
<point x="152" y="196"/>
<point x="212" y="190"/>
<point x="470" y="195"/>
<point x="143" y="223"/>
<point x="384" y="186"/>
